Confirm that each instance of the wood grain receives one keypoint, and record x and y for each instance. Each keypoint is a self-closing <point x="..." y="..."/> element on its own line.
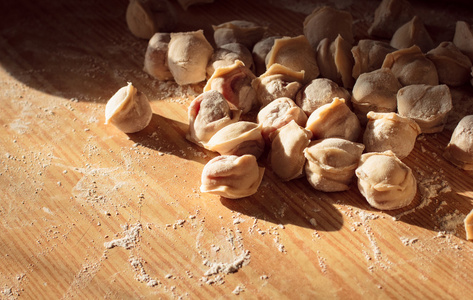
<point x="70" y="184"/>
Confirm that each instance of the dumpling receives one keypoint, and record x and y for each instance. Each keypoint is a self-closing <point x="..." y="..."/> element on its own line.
<point x="369" y="56"/>
<point x="208" y="113"/>
<point x="234" y="82"/>
<point x="463" y="38"/>
<point x="156" y="57"/>
<point x="389" y="16"/>
<point x="227" y="54"/>
<point x="328" y="22"/>
<point x="238" y="138"/>
<point x="318" y="92"/>
<point x="334" y="119"/>
<point x="278" y="81"/>
<point x="385" y="181"/>
<point x="296" y="54"/>
<point x="146" y="17"/>
<point x="459" y="150"/>
<point x="410" y="66"/>
<point x="129" y="110"/>
<point x="260" y="50"/>
<point x="186" y="3"/>
<point x="238" y="31"/>
<point x="427" y="105"/>
<point x="287" y="150"/>
<point x="331" y="163"/>
<point x="279" y="113"/>
<point x="336" y="61"/>
<point x="188" y="56"/>
<point x="375" y="91"/>
<point x="232" y="176"/>
<point x="390" y="131"/>
<point x="412" y="33"/>
<point x="453" y="67"/>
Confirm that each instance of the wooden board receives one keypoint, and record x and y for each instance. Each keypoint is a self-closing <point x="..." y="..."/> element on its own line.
<point x="89" y="212"/>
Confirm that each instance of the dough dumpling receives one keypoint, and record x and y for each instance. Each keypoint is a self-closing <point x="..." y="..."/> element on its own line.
<point x="385" y="181"/>
<point x="146" y="17"/>
<point x="459" y="150"/>
<point x="410" y="66"/>
<point x="260" y="51"/>
<point x="232" y="176"/>
<point x="234" y="82"/>
<point x="156" y="57"/>
<point x="412" y="33"/>
<point x="463" y="38"/>
<point x="389" y="16"/>
<point x="334" y="119"/>
<point x="287" y="150"/>
<point x="238" y="31"/>
<point x="369" y="56"/>
<point x="188" y="56"/>
<point x="336" y="61"/>
<point x="331" y="163"/>
<point x="318" y="92"/>
<point x="227" y="55"/>
<point x="390" y="131"/>
<point x="427" y="105"/>
<point x="277" y="114"/>
<point x="208" y="113"/>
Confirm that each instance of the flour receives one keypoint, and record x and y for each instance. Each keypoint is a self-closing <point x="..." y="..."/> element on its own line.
<point x="227" y="267"/>
<point x="238" y="289"/>
<point x="131" y="235"/>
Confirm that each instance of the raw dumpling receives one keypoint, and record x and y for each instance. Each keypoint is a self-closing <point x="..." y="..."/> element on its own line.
<point x="412" y="33"/>
<point x="277" y="114"/>
<point x="227" y="55"/>
<point x="336" y="61"/>
<point x="156" y="57"/>
<point x="296" y="54"/>
<point x="207" y="114"/>
<point x="427" y="105"/>
<point x="389" y="16"/>
<point x="331" y="163"/>
<point x="232" y="176"/>
<point x="369" y="56"/>
<point x="459" y="150"/>
<point x="385" y="181"/>
<point x="410" y="66"/>
<point x="328" y="22"/>
<point x="278" y="81"/>
<point x="334" y="119"/>
<point x="238" y="31"/>
<point x="453" y="67"/>
<point x="186" y="3"/>
<point x="146" y="17"/>
<point x="188" y="56"/>
<point x="390" y="131"/>
<point x="375" y="91"/>
<point x="287" y="150"/>
<point x="260" y="50"/>
<point x="234" y="82"/>
<point x="238" y="139"/>
<point x="129" y="110"/>
<point x="463" y="38"/>
<point x="319" y="92"/>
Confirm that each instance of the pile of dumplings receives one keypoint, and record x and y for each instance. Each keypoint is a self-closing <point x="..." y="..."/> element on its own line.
<point x="320" y="105"/>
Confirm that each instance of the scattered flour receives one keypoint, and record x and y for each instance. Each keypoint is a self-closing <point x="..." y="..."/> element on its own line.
<point x="238" y="289"/>
<point x="131" y="234"/>
<point x="227" y="268"/>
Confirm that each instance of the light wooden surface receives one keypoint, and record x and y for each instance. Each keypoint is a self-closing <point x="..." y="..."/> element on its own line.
<point x="71" y="186"/>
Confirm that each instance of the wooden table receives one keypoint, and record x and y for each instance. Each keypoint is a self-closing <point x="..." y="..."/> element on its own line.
<point x="89" y="212"/>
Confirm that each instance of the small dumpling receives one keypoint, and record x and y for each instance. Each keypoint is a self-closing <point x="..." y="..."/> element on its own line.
<point x="279" y="113"/>
<point x="453" y="67"/>
<point x="412" y="33"/>
<point x="238" y="138"/>
<point x="369" y="56"/>
<point x="234" y="82"/>
<point x="186" y="3"/>
<point x="331" y="163"/>
<point x="227" y="55"/>
<point x="410" y="66"/>
<point x="463" y="38"/>
<point x="427" y="105"/>
<point x="336" y="61"/>
<point x="375" y="91"/>
<point x="232" y="176"/>
<point x="188" y="56"/>
<point x="334" y="119"/>
<point x="238" y="31"/>
<point x="389" y="16"/>
<point x="390" y="131"/>
<point x="318" y="92"/>
<point x="260" y="51"/>
<point x="296" y="54"/>
<point x="156" y="57"/>
<point x="129" y="110"/>
<point x="146" y="17"/>
<point x="328" y="22"/>
<point x="385" y="181"/>
<point x="459" y="150"/>
<point x="287" y="150"/>
<point x="277" y="82"/>
<point x="208" y="113"/>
